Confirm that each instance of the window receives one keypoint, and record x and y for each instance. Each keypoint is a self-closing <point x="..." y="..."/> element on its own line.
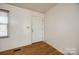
<point x="3" y="23"/>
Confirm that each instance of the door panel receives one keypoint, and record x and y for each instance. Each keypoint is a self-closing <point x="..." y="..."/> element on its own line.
<point x="37" y="29"/>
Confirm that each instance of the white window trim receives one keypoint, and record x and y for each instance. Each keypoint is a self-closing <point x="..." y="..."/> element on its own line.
<point x="3" y="10"/>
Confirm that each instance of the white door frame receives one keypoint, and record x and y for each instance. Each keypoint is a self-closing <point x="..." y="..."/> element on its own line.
<point x="32" y="28"/>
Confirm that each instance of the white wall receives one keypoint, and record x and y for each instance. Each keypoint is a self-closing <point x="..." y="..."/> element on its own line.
<point x="62" y="27"/>
<point x="19" y="35"/>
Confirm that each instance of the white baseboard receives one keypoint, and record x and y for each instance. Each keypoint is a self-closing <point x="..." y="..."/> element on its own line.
<point x="51" y="44"/>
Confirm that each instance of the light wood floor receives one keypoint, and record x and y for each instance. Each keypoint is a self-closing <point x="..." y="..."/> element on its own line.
<point x="39" y="48"/>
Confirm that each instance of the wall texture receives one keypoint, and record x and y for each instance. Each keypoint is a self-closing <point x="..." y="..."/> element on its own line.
<point x="62" y="27"/>
<point x="19" y="34"/>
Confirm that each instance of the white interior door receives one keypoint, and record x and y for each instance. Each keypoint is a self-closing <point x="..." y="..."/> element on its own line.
<point x="37" y="29"/>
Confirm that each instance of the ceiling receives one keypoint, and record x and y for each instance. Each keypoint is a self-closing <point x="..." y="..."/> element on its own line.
<point x="39" y="7"/>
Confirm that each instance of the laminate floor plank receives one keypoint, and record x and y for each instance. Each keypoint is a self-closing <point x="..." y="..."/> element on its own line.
<point x="38" y="48"/>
